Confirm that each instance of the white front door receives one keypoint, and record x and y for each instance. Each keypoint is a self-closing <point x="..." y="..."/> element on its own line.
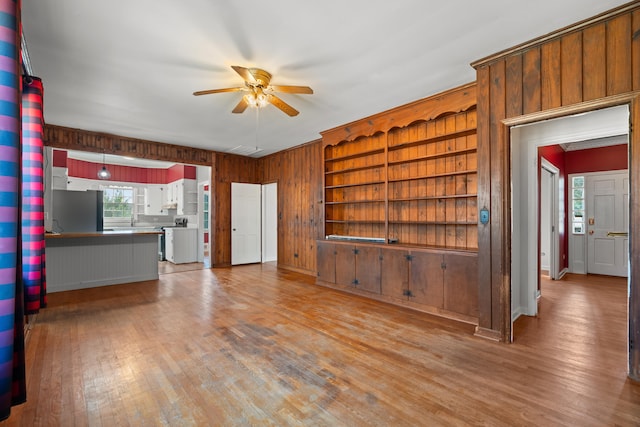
<point x="608" y="223"/>
<point x="245" y="223"/>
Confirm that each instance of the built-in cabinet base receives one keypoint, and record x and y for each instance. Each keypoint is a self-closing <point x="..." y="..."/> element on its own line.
<point x="436" y="281"/>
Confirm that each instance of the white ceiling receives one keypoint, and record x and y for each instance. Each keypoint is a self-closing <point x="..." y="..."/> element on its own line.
<point x="130" y="67"/>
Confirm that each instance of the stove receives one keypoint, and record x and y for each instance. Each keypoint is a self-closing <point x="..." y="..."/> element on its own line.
<point x="178" y="223"/>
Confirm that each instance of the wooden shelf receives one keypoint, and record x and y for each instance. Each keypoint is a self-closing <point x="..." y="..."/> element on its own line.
<point x="355" y="155"/>
<point x="355" y="169"/>
<point x="329" y="187"/>
<point x="391" y="222"/>
<point x="413" y="199"/>
<point x="433" y="156"/>
<point x="353" y="202"/>
<point x="371" y="183"/>
<point x="435" y="175"/>
<point x="354" y="221"/>
<point x="438" y="138"/>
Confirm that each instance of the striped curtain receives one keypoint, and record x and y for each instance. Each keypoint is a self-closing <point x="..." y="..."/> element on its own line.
<point x="12" y="379"/>
<point x="33" y="266"/>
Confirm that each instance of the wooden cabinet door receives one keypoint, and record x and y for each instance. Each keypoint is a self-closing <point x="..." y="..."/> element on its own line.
<point x="426" y="279"/>
<point x="326" y="261"/>
<point x="345" y="265"/>
<point x="368" y="268"/>
<point x="461" y="283"/>
<point x="394" y="273"/>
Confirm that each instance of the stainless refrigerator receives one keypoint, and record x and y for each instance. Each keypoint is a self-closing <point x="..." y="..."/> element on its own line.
<point x="77" y="211"/>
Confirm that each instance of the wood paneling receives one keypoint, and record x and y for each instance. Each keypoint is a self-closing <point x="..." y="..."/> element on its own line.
<point x="595" y="61"/>
<point x="298" y="172"/>
<point x="619" y="55"/>
<point x="550" y="84"/>
<point x="97" y="142"/>
<point x="571" y="69"/>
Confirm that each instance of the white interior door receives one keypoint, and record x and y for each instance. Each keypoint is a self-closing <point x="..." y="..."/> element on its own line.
<point x="550" y="201"/>
<point x="245" y="223"/>
<point x="270" y="222"/>
<point x="608" y="223"/>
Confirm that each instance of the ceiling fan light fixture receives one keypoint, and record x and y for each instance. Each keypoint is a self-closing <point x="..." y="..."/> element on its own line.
<point x="256" y="82"/>
<point x="256" y="100"/>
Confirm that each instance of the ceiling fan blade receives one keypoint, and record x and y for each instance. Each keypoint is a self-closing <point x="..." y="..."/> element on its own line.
<point x="244" y="73"/>
<point x="279" y="103"/>
<point x="210" y="91"/>
<point x="242" y="105"/>
<point x="291" y="89"/>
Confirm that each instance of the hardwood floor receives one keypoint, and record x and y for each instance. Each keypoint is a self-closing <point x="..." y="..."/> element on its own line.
<point x="254" y="345"/>
<point x="166" y="267"/>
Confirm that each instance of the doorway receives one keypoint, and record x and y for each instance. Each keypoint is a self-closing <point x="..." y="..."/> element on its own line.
<point x="254" y="223"/>
<point x="549" y="216"/>
<point x="525" y="140"/>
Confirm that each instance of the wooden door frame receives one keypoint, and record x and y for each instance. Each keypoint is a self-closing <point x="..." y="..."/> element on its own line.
<point x="632" y="99"/>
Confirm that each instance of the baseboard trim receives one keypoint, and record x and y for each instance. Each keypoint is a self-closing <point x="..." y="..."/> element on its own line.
<point x="489" y="334"/>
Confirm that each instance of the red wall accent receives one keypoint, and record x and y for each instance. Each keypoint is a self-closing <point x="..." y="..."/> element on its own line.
<point x="177" y="172"/>
<point x="60" y="158"/>
<point x="89" y="170"/>
<point x="615" y="157"/>
<point x="190" y="172"/>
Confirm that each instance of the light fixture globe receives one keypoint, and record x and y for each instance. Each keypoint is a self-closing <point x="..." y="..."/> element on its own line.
<point x="104" y="173"/>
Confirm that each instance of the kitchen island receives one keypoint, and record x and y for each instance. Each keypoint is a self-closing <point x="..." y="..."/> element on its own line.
<point x="87" y="260"/>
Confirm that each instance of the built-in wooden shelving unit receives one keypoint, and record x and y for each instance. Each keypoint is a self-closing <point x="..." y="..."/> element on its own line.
<point x="413" y="185"/>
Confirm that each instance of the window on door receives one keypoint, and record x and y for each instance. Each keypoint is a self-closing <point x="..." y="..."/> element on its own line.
<point x="577" y="205"/>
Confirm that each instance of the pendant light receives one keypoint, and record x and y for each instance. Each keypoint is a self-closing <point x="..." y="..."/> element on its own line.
<point x="104" y="172"/>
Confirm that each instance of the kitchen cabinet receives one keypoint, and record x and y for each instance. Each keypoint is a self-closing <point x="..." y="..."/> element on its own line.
<point x="181" y="245"/>
<point x="182" y="195"/>
<point x="154" y="201"/>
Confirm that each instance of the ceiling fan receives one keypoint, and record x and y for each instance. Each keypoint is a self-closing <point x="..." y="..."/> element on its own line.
<point x="260" y="92"/>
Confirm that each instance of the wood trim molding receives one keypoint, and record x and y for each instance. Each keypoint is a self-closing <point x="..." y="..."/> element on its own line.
<point x="582" y="107"/>
<point x="98" y="142"/>
<point x="605" y="16"/>
<point x="456" y="100"/>
<point x="489" y="334"/>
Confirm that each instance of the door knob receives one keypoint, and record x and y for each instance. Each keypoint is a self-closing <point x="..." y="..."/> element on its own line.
<point x="590" y="231"/>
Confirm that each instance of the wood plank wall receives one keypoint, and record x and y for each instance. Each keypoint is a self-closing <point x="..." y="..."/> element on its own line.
<point x="592" y="64"/>
<point x="298" y="173"/>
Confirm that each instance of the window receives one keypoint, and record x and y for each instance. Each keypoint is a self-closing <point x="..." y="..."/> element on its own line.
<point x="117" y="202"/>
<point x="577" y="205"/>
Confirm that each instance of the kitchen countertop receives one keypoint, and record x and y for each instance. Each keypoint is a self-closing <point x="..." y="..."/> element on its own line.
<point x="100" y="234"/>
